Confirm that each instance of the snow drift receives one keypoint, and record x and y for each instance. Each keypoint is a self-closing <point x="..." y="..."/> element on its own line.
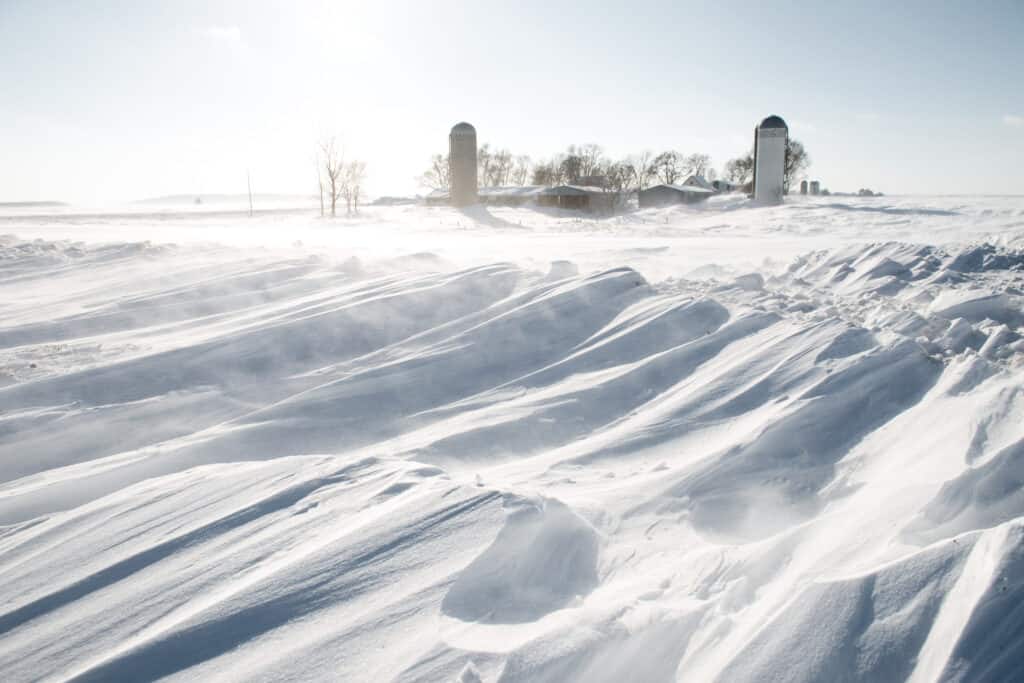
<point x="220" y="462"/>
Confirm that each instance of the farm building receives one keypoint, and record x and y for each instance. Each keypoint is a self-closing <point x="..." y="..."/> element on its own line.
<point x="576" y="197"/>
<point x="698" y="181"/>
<point x="665" y="195"/>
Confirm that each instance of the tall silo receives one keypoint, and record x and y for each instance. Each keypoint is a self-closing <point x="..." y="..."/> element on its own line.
<point x="770" y="140"/>
<point x="462" y="164"/>
<point x="803" y="187"/>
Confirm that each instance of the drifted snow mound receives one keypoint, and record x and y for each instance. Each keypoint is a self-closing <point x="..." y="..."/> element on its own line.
<point x="772" y="482"/>
<point x="219" y="464"/>
<point x="950" y="300"/>
<point x="560" y="270"/>
<point x="900" y="623"/>
<point x="750" y="281"/>
<point x="983" y="496"/>
<point x="648" y="649"/>
<point x="982" y="257"/>
<point x="977" y="306"/>
<point x="544" y="558"/>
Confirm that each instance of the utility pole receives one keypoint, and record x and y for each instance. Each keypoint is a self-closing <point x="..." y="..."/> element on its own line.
<point x="248" y="183"/>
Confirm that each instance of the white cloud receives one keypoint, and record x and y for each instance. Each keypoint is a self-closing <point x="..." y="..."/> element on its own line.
<point x="868" y="117"/>
<point x="227" y="34"/>
<point x="1012" y="120"/>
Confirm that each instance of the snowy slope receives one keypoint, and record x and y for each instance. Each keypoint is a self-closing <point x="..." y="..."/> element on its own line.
<point x="714" y="443"/>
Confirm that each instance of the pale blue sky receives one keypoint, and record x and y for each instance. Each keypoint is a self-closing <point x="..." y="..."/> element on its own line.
<point x="109" y="101"/>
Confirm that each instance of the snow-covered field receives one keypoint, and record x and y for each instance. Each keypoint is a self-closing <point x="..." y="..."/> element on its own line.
<point x="715" y="443"/>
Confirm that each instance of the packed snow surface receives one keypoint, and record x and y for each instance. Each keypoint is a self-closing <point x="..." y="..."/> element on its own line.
<point x="714" y="443"/>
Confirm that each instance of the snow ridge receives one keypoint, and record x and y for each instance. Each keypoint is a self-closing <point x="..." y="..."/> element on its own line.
<point x="234" y="464"/>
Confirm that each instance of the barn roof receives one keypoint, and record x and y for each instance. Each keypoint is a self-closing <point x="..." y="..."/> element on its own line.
<point x="510" y="191"/>
<point x="697" y="181"/>
<point x="568" y="190"/>
<point x="691" y="189"/>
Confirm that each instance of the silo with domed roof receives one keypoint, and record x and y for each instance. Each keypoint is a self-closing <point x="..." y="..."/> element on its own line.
<point x="770" y="141"/>
<point x="462" y="164"/>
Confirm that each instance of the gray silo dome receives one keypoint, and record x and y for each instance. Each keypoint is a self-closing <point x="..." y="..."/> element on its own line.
<point x="463" y="129"/>
<point x="774" y="122"/>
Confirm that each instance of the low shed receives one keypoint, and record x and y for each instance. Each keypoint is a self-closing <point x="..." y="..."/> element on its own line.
<point x="665" y="195"/>
<point x="577" y="197"/>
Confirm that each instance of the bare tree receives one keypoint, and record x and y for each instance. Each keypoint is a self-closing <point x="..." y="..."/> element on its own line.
<point x="319" y="178"/>
<point x="484" y="161"/>
<point x="498" y="168"/>
<point x="667" y="166"/>
<point x="333" y="164"/>
<point x="495" y="168"/>
<point x="506" y="162"/>
<point x="554" y="171"/>
<point x="521" y="172"/>
<point x="620" y="178"/>
<point x="797" y="161"/>
<point x="591" y="159"/>
<point x="355" y="174"/>
<point x="571" y="167"/>
<point x="544" y="173"/>
<point x="697" y="164"/>
<point x="641" y="169"/>
<point x="437" y="177"/>
<point x="741" y="169"/>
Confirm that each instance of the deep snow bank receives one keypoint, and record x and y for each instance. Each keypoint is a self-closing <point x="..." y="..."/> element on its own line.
<point x="232" y="464"/>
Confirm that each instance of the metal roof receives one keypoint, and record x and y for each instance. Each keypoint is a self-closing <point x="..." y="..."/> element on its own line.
<point x="571" y="190"/>
<point x="692" y="189"/>
<point x="510" y="191"/>
<point x="697" y="181"/>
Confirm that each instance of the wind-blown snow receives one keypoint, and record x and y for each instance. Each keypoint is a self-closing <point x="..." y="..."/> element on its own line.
<point x="713" y="443"/>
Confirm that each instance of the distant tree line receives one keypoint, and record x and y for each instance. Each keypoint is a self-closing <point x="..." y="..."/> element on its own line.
<point x="578" y="165"/>
<point x="589" y="165"/>
<point x="498" y="168"/>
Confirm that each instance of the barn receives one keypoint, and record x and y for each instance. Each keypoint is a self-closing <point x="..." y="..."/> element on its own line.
<point x="666" y="195"/>
<point x="576" y="197"/>
<point x="698" y="181"/>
